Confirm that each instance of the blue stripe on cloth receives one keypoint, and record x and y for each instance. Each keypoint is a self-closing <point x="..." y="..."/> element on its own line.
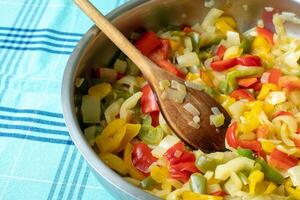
<point x="36" y="49"/>
<point x="31" y="119"/>
<point x="67" y="175"/>
<point x="39" y="36"/>
<point x="83" y="183"/>
<point x="58" y="172"/>
<point x="38" y="139"/>
<point x="75" y="179"/>
<point x="40" y="30"/>
<point x="32" y="23"/>
<point x="37" y="42"/>
<point x="34" y="129"/>
<point x="31" y="111"/>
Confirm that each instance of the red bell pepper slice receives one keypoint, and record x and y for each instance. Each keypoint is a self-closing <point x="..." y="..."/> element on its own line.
<point x="170" y="67"/>
<point x="148" y="100"/>
<point x="247" y="82"/>
<point x="282" y="160"/>
<point x="181" y="162"/>
<point x="142" y="157"/>
<point x="265" y="33"/>
<point x="223" y="65"/>
<point x="148" y="42"/>
<point x="262" y="131"/>
<point x="282" y="113"/>
<point x="231" y="135"/>
<point x="274" y="76"/>
<point x="249" y="60"/>
<point x="256" y="86"/>
<point x="242" y="94"/>
<point x="219" y="193"/>
<point x="253" y="145"/>
<point x="221" y="51"/>
<point x="267" y="18"/>
<point x="154" y="118"/>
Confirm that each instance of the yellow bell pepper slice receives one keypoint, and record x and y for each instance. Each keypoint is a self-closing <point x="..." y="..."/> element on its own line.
<point x="266" y="89"/>
<point x="100" y="90"/>
<point x="223" y="26"/>
<point x="175" y="45"/>
<point x="111" y="137"/>
<point x="294" y="192"/>
<point x="114" y="162"/>
<point x="229" y="20"/>
<point x="131" y="131"/>
<point x="159" y="174"/>
<point x="191" y="77"/>
<point x="133" y="172"/>
<point x="206" y="79"/>
<point x="187" y="195"/>
<point x="254" y="178"/>
<point x="268" y="108"/>
<point x="233" y="52"/>
<point x="271" y="187"/>
<point x="267" y="146"/>
<point x="260" y="46"/>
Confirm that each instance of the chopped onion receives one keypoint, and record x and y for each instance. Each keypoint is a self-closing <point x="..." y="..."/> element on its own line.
<point x="217" y="120"/>
<point x="188" y="43"/>
<point x="164" y="145"/>
<point x="174" y="95"/>
<point x="260" y="23"/>
<point x="164" y="84"/>
<point x="269" y="9"/>
<point x="196" y="119"/>
<point x="265" y="77"/>
<point x="188" y="59"/>
<point x="294" y="174"/>
<point x="245" y="7"/>
<point x="233" y="52"/>
<point x="275" y="97"/>
<point x="215" y="110"/>
<point x="211" y="18"/>
<point x="178" y="86"/>
<point x="191" y="109"/>
<point x="129" y="81"/>
<point x="90" y="109"/>
<point x="237" y="109"/>
<point x="213" y="188"/>
<point x="233" y="39"/>
<point x="209" y="175"/>
<point x="194" y="125"/>
<point x="120" y="66"/>
<point x="129" y="104"/>
<point x="194" y="85"/>
<point x="233" y="185"/>
<point x="112" y="110"/>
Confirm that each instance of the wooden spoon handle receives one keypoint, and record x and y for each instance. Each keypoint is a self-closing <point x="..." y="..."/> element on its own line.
<point x="117" y="38"/>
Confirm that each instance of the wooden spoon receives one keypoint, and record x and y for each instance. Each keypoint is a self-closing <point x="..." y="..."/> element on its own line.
<point x="208" y="138"/>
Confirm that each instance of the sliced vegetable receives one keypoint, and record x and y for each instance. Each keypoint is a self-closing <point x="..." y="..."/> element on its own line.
<point x="223" y="64"/>
<point x="148" y="183"/>
<point x="142" y="157"/>
<point x="267" y="34"/>
<point x="148" y="42"/>
<point x="294" y="173"/>
<point x="128" y="104"/>
<point x="114" y="162"/>
<point x="282" y="160"/>
<point x="270" y="173"/>
<point x="231" y="135"/>
<point x="188" y="60"/>
<point x="198" y="183"/>
<point x="148" y="100"/>
<point x="221" y="51"/>
<point x="187" y="195"/>
<point x="247" y="82"/>
<point x="255" y="178"/>
<point x="204" y="163"/>
<point x="90" y="109"/>
<point x="133" y="172"/>
<point x="242" y="94"/>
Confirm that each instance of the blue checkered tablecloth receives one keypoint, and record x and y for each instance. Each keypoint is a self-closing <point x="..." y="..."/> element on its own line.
<point x="37" y="157"/>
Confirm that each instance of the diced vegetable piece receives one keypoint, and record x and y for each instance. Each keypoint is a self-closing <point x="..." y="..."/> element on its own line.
<point x="151" y="135"/>
<point x="129" y="103"/>
<point x="223" y="26"/>
<point x="164" y="84"/>
<point x="107" y="75"/>
<point x="217" y="120"/>
<point x="114" y="162"/>
<point x="294" y="174"/>
<point x="90" y="109"/>
<point x="132" y="131"/>
<point x="249" y="60"/>
<point x="196" y="41"/>
<point x="282" y="160"/>
<point x="275" y="98"/>
<point x="194" y="124"/>
<point x="91" y="132"/>
<point x="133" y="172"/>
<point x="221" y="51"/>
<point x="187" y="195"/>
<point x="198" y="183"/>
<point x="159" y="174"/>
<point x="255" y="178"/>
<point x="120" y="66"/>
<point x="170" y="67"/>
<point x="142" y="157"/>
<point x="247" y="82"/>
<point x="211" y="18"/>
<point x="274" y="76"/>
<point x="174" y="95"/>
<point x="233" y="185"/>
<point x="148" y="100"/>
<point x="223" y="171"/>
<point x="188" y="43"/>
<point x="270" y="173"/>
<point x="233" y="52"/>
<point x="246" y="45"/>
<point x="204" y="163"/>
<point x="191" y="109"/>
<point x="242" y="94"/>
<point x="223" y="65"/>
<point x="148" y="42"/>
<point x="246" y="153"/>
<point x="267" y="34"/>
<point x="164" y="145"/>
<point x="112" y="110"/>
<point x="188" y="60"/>
<point x="100" y="90"/>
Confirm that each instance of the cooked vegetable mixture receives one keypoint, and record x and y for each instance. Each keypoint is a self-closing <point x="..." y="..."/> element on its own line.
<point x="253" y="75"/>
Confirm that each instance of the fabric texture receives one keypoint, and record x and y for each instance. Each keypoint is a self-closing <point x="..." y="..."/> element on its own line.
<point x="38" y="160"/>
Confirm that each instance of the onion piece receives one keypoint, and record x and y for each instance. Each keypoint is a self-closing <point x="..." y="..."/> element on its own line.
<point x="164" y="84"/>
<point x="191" y="109"/>
<point x="196" y="119"/>
<point x="173" y="95"/>
<point x="164" y="145"/>
<point x="90" y="109"/>
<point x="194" y="125"/>
<point x="188" y="59"/>
<point x="211" y="18"/>
<point x="129" y="104"/>
<point x="178" y="86"/>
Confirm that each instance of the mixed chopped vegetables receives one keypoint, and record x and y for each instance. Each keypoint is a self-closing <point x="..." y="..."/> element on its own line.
<point x="253" y="75"/>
